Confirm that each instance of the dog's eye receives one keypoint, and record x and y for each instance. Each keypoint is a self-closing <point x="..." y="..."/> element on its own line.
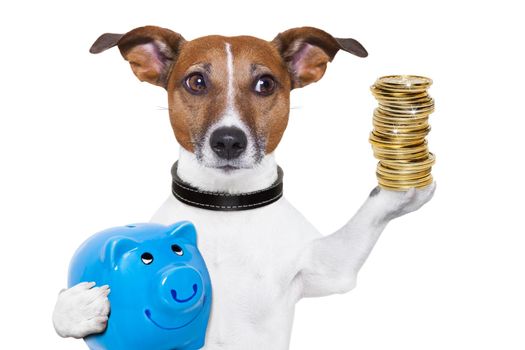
<point x="177" y="249"/>
<point x="265" y="85"/>
<point x="147" y="258"/>
<point x="195" y="83"/>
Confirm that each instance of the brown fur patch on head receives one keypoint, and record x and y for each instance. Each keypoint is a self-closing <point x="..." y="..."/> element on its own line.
<point x="191" y="115"/>
<point x="266" y="116"/>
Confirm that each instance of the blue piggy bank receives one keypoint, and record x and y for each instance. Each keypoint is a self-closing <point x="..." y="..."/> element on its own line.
<point x="160" y="288"/>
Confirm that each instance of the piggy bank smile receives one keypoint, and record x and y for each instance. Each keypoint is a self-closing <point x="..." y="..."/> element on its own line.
<point x="148" y="314"/>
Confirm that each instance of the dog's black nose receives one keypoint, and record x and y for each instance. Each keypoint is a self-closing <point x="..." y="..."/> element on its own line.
<point x="228" y="142"/>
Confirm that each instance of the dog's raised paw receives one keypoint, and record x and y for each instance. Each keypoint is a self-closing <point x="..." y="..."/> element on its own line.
<point x="398" y="203"/>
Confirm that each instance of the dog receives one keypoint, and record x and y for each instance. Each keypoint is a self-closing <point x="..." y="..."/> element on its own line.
<point x="229" y="101"/>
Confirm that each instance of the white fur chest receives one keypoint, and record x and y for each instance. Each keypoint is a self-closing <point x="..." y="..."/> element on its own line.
<point x="252" y="259"/>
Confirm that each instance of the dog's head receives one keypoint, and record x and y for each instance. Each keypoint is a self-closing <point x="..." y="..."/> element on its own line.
<point x="228" y="96"/>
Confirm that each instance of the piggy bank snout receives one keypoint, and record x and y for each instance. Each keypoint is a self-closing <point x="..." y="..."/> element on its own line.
<point x="181" y="287"/>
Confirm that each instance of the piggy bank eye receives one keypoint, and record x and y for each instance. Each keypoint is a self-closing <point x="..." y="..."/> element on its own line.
<point x="147" y="258"/>
<point x="177" y="249"/>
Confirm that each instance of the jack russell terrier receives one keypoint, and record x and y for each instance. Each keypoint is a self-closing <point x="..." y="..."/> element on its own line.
<point x="229" y="103"/>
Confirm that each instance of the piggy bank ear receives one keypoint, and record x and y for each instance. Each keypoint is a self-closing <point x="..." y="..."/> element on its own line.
<point x="185" y="230"/>
<point x="115" y="248"/>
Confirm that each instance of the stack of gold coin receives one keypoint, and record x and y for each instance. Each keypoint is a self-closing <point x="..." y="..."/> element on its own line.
<point x="400" y="127"/>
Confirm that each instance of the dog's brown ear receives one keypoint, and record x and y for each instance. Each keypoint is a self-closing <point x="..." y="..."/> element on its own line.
<point x="307" y="51"/>
<point x="149" y="50"/>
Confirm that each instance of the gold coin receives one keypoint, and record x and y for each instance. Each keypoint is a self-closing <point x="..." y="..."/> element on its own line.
<point x="405" y="80"/>
<point x="393" y="172"/>
<point x="421" y="130"/>
<point x="390" y="143"/>
<point x="395" y="141"/>
<point x="385" y="157"/>
<point x="402" y="98"/>
<point x="404" y="175"/>
<point x="400" y="89"/>
<point x="409" y="101"/>
<point x="394" y="158"/>
<point x="399" y="187"/>
<point x="401" y="127"/>
<point x="404" y="164"/>
<point x="406" y="88"/>
<point x="413" y="179"/>
<point x="409" y="183"/>
<point x="386" y="94"/>
<point x="399" y="145"/>
<point x="407" y="163"/>
<point x="392" y="111"/>
<point x="395" y="134"/>
<point x="403" y="149"/>
<point x="401" y="123"/>
<point x="403" y="117"/>
<point x="400" y="132"/>
<point x="412" y="183"/>
<point x="398" y="98"/>
<point x="406" y="106"/>
<point x="418" y="176"/>
<point x="384" y="167"/>
<point x="408" y="115"/>
<point x="420" y="165"/>
<point x="384" y="160"/>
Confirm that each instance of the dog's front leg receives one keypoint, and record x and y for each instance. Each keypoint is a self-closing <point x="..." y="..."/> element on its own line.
<point x="330" y="264"/>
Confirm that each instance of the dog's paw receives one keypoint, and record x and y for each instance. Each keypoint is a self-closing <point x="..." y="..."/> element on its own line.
<point x="81" y="310"/>
<point x="398" y="203"/>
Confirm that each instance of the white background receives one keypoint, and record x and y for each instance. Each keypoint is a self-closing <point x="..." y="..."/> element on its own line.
<point x="85" y="146"/>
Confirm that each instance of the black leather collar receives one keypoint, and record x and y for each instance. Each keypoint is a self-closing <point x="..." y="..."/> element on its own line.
<point x="223" y="201"/>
